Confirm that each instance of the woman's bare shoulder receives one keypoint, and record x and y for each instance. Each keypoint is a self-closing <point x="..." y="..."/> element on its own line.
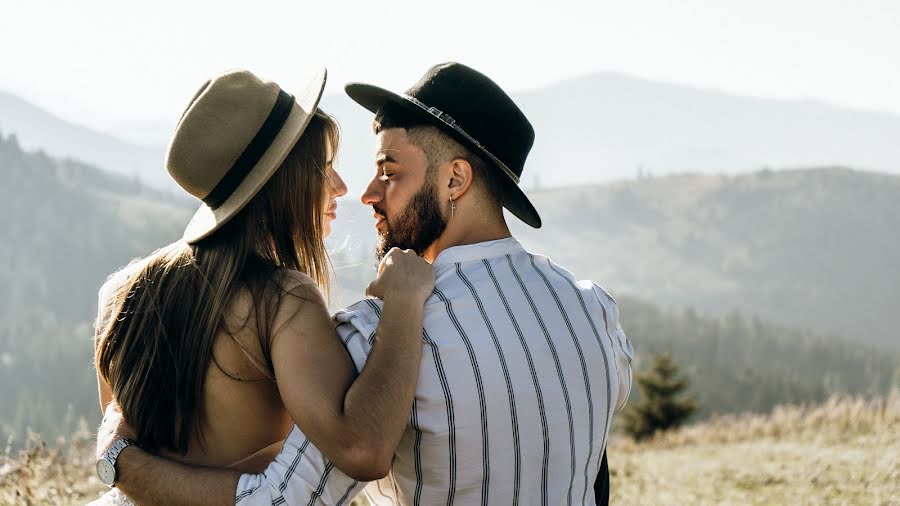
<point x="289" y="278"/>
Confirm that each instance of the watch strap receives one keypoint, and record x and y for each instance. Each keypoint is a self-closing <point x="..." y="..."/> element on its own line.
<point x="112" y="454"/>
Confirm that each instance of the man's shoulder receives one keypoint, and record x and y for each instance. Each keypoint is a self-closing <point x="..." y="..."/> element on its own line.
<point x="562" y="274"/>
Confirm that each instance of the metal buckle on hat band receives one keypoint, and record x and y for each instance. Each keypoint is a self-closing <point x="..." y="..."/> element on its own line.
<point x="450" y="122"/>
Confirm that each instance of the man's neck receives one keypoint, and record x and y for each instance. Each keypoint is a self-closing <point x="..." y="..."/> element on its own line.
<point x="460" y="234"/>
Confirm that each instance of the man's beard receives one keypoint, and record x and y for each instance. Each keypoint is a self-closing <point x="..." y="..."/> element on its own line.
<point x="417" y="227"/>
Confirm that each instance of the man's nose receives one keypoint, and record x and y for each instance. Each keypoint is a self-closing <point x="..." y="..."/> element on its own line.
<point x="374" y="192"/>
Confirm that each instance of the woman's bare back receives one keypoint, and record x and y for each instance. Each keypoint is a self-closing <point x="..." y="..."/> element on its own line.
<point x="244" y="418"/>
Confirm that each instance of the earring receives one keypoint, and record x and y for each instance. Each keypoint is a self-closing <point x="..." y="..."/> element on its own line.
<point x="452" y="206"/>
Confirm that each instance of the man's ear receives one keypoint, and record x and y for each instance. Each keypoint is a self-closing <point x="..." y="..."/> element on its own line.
<point x="461" y="177"/>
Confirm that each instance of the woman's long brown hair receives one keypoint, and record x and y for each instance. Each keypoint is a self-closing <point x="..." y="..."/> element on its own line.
<point x="155" y="347"/>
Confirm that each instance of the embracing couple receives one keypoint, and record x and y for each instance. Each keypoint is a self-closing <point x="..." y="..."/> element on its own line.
<point x="476" y="372"/>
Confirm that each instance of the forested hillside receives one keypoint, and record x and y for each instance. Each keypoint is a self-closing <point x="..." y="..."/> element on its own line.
<point x="814" y="248"/>
<point x="736" y="363"/>
<point x="67" y="225"/>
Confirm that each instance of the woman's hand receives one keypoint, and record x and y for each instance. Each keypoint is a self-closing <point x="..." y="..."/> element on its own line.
<point x="402" y="273"/>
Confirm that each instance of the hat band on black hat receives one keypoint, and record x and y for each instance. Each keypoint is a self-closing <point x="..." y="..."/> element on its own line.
<point x="253" y="152"/>
<point x="450" y="122"/>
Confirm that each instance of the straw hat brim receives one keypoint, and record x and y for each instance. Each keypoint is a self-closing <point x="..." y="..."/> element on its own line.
<point x="207" y="220"/>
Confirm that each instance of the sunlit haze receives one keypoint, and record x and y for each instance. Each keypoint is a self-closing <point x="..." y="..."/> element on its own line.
<point x="102" y="63"/>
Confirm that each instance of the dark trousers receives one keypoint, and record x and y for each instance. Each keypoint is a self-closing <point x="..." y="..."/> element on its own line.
<point x="601" y="486"/>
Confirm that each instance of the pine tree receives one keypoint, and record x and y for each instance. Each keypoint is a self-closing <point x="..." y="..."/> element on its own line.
<point x="659" y="408"/>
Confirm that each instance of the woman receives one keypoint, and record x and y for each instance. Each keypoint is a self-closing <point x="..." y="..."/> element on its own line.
<point x="214" y="345"/>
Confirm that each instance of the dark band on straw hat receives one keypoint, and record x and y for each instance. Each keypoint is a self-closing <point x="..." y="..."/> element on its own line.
<point x="254" y="151"/>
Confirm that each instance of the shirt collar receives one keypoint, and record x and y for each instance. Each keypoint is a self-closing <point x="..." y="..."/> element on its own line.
<point x="478" y="251"/>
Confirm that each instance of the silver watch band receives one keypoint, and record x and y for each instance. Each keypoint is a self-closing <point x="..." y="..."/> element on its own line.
<point x="112" y="454"/>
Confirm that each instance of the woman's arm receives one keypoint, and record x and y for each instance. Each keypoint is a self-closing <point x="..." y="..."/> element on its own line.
<point x="356" y="422"/>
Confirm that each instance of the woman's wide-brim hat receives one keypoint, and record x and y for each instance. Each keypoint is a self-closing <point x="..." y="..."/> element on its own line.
<point x="468" y="106"/>
<point x="233" y="136"/>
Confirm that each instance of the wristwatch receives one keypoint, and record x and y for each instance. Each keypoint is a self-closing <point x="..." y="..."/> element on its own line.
<point x="106" y="466"/>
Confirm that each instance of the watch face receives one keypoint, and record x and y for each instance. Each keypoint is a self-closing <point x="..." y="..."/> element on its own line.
<point x="106" y="472"/>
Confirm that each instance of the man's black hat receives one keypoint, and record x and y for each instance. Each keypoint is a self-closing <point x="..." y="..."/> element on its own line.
<point x="468" y="106"/>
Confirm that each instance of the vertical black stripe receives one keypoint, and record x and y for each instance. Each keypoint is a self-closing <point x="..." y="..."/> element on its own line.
<point x="350" y="336"/>
<point x="559" y="371"/>
<point x="545" y="462"/>
<point x="246" y="493"/>
<point x="321" y="488"/>
<point x="451" y="419"/>
<point x="290" y="471"/>
<point x="517" y="452"/>
<point x="347" y="493"/>
<point x="482" y="405"/>
<point x="587" y="384"/>
<point x="448" y="402"/>
<point x="590" y="320"/>
<point x="611" y="346"/>
<point x="372" y="304"/>
<point x="417" y="452"/>
<point x="377" y="310"/>
<point x="615" y="304"/>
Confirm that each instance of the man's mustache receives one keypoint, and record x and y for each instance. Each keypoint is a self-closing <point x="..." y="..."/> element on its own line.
<point x="379" y="210"/>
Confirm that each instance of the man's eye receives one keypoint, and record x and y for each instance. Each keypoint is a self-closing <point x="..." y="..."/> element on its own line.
<point x="384" y="177"/>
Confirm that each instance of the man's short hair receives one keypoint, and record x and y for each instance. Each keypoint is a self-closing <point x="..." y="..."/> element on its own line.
<point x="440" y="148"/>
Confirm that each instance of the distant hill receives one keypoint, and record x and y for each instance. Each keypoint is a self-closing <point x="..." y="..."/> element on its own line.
<point x="36" y="128"/>
<point x="603" y="127"/>
<point x="66" y="226"/>
<point x="595" y="128"/>
<point x="814" y="248"/>
<point x="69" y="224"/>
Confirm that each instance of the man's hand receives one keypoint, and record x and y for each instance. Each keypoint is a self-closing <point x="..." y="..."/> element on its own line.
<point x="148" y="479"/>
<point x="403" y="273"/>
<point x="112" y="428"/>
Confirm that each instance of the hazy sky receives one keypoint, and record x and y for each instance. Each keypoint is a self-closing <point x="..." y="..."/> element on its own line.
<point x="103" y="62"/>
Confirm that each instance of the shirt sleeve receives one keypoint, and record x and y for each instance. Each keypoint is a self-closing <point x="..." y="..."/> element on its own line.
<point x="356" y="327"/>
<point x="300" y="474"/>
<point x="623" y="351"/>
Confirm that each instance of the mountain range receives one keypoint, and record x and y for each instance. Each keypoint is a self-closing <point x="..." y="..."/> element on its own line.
<point x="596" y="128"/>
<point x="769" y="285"/>
<point x="815" y="248"/>
<point x="69" y="224"/>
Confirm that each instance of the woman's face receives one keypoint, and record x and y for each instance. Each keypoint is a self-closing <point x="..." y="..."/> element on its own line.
<point x="336" y="188"/>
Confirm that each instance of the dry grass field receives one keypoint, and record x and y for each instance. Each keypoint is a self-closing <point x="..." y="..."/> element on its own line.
<point x="846" y="451"/>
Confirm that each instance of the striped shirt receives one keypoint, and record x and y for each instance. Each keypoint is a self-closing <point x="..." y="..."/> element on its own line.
<point x="522" y="370"/>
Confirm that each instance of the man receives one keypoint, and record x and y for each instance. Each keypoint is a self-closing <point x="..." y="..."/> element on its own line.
<point x="523" y="366"/>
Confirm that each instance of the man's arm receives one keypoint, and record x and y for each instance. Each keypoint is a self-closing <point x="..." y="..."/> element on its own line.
<point x="355" y="421"/>
<point x="147" y="479"/>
